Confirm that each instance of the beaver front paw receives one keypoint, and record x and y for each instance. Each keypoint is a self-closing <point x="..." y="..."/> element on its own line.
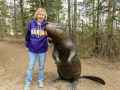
<point x="69" y="62"/>
<point x="58" y="62"/>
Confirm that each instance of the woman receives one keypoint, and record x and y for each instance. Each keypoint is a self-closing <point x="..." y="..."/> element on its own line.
<point x="37" y="44"/>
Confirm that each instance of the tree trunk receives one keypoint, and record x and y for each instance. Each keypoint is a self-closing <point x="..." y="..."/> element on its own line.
<point x="97" y="32"/>
<point x="47" y="6"/>
<point x="75" y="22"/>
<point x="15" y="25"/>
<point x="69" y="20"/>
<point x="1" y="37"/>
<point x="22" y="15"/>
<point x="93" y="14"/>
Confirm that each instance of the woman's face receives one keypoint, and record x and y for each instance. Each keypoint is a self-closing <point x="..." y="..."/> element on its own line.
<point x="40" y="17"/>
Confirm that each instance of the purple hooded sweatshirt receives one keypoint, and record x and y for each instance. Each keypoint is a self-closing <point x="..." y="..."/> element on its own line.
<point x="34" y="41"/>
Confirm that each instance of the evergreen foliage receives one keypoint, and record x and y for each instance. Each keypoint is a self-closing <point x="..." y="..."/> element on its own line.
<point x="94" y="26"/>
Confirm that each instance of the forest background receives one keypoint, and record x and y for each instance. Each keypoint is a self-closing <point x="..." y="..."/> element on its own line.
<point x="93" y="25"/>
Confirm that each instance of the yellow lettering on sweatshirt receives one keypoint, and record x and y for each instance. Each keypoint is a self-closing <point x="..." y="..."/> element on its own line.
<point x="37" y="32"/>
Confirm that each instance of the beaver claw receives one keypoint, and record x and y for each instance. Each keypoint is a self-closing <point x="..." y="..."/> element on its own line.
<point x="55" y="80"/>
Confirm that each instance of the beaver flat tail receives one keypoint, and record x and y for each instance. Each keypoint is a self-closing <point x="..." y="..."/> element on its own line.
<point x="94" y="78"/>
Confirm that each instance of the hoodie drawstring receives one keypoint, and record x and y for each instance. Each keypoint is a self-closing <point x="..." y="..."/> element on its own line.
<point x="39" y="28"/>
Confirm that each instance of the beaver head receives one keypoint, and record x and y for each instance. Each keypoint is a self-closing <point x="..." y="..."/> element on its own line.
<point x="56" y="31"/>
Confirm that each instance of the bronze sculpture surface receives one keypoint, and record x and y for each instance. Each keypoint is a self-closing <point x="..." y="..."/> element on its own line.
<point x="65" y="56"/>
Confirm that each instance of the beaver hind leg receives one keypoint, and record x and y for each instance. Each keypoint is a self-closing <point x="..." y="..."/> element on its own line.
<point x="74" y="81"/>
<point x="73" y="85"/>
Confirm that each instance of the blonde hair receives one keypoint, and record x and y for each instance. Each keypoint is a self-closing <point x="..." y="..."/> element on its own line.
<point x="40" y="10"/>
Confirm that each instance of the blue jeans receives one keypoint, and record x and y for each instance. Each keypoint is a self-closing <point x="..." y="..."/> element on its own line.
<point x="32" y="59"/>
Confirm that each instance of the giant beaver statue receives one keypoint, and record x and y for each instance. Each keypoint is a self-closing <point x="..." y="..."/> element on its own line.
<point x="65" y="56"/>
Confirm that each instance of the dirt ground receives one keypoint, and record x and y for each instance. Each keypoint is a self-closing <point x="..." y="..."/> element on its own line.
<point x="14" y="64"/>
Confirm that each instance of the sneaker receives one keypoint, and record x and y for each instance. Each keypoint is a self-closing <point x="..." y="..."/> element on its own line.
<point x="41" y="84"/>
<point x="27" y="85"/>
